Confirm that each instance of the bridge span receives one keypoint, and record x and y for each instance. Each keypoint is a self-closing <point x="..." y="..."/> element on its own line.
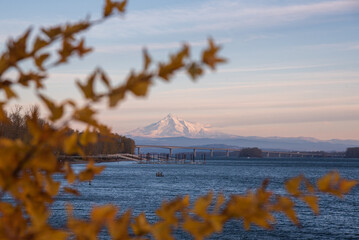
<point x="228" y="150"/>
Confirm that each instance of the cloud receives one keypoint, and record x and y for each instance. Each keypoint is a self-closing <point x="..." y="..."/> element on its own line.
<point x="333" y="46"/>
<point x="115" y="49"/>
<point x="270" y="68"/>
<point x="257" y="85"/>
<point x="219" y="15"/>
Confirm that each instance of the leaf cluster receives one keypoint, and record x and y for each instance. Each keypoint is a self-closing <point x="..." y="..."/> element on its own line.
<point x="28" y="166"/>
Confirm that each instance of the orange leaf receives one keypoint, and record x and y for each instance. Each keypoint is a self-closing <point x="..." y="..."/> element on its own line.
<point x="141" y="226"/>
<point x="72" y="191"/>
<point x="103" y="213"/>
<point x="209" y="56"/>
<point x="105" y="79"/>
<point x="293" y="184"/>
<point x="40" y="60"/>
<point x="9" y="92"/>
<point x="201" y="205"/>
<point x="88" y="88"/>
<point x="147" y="59"/>
<point x="69" y="173"/>
<point x="70" y="145"/>
<point x="346" y="185"/>
<point x="56" y="111"/>
<point x="194" y="70"/>
<point x="51" y="186"/>
<point x="312" y="202"/>
<point x="116" y="95"/>
<point x="286" y="205"/>
<point x="39" y="43"/>
<point x="90" y="171"/>
<point x="52" y="32"/>
<point x="88" y="137"/>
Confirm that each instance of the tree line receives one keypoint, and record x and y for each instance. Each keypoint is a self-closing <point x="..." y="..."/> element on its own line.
<point x="352" y="152"/>
<point x="17" y="128"/>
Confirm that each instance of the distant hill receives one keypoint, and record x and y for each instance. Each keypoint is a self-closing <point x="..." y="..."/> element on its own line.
<point x="270" y="143"/>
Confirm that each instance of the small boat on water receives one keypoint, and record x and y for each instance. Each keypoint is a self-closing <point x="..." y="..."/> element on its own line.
<point x="159" y="174"/>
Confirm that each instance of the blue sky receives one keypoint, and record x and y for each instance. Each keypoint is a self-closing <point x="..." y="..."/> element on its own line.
<point x="293" y="66"/>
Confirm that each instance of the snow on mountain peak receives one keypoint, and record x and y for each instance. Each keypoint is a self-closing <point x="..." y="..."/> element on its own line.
<point x="173" y="126"/>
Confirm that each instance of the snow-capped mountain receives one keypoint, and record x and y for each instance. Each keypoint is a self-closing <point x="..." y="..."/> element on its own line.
<point x="173" y="126"/>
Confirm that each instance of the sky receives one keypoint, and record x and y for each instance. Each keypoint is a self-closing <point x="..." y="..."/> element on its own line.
<point x="292" y="70"/>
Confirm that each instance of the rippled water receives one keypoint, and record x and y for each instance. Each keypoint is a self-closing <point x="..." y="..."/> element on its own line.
<point x="132" y="185"/>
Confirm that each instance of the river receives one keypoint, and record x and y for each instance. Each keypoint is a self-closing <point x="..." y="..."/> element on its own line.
<point x="135" y="186"/>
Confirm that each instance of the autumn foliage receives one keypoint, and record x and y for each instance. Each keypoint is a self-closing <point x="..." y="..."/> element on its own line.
<point x="27" y="166"/>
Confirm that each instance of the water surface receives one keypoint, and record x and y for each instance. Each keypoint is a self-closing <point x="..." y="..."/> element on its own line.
<point x="135" y="186"/>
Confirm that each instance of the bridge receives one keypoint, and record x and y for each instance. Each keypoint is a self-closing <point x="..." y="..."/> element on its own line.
<point x="228" y="150"/>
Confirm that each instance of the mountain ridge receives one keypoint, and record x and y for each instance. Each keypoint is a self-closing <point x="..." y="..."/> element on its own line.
<point x="173" y="126"/>
<point x="173" y="130"/>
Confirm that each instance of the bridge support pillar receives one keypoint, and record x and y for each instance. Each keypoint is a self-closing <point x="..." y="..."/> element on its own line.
<point x="278" y="154"/>
<point x="194" y="152"/>
<point x="138" y="151"/>
<point x="227" y="153"/>
<point x="170" y="152"/>
<point x="267" y="154"/>
<point x="211" y="153"/>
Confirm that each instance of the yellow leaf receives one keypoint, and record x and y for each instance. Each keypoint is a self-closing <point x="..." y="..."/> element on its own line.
<point x="17" y="49"/>
<point x="71" y="29"/>
<point x="4" y="64"/>
<point x="162" y="230"/>
<point x="141" y="226"/>
<point x="220" y="201"/>
<point x="293" y="184"/>
<point x="118" y="228"/>
<point x="81" y="49"/>
<point x="44" y="159"/>
<point x="90" y="171"/>
<point x="346" y="185"/>
<point x="56" y="111"/>
<point x="9" y="92"/>
<point x="116" y="95"/>
<point x="37" y="213"/>
<point x="87" y="89"/>
<point x="72" y="191"/>
<point x="166" y="71"/>
<point x="88" y="137"/>
<point x="105" y="80"/>
<point x="109" y="6"/>
<point x="147" y="60"/>
<point x="139" y="84"/>
<point x="209" y="56"/>
<point x="52" y="32"/>
<point x="71" y="146"/>
<point x="52" y="187"/>
<point x="312" y="202"/>
<point x="120" y="6"/>
<point x="309" y="186"/>
<point x="39" y="43"/>
<point x="194" y="70"/>
<point x="103" y="213"/>
<point x="69" y="210"/>
<point x="48" y="233"/>
<point x="201" y="205"/>
<point x="69" y="173"/>
<point x="86" y="115"/>
<point x="3" y="115"/>
<point x="39" y="60"/>
<point x="286" y="205"/>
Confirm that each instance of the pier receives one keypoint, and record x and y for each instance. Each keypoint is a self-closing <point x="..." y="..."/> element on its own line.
<point x="227" y="151"/>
